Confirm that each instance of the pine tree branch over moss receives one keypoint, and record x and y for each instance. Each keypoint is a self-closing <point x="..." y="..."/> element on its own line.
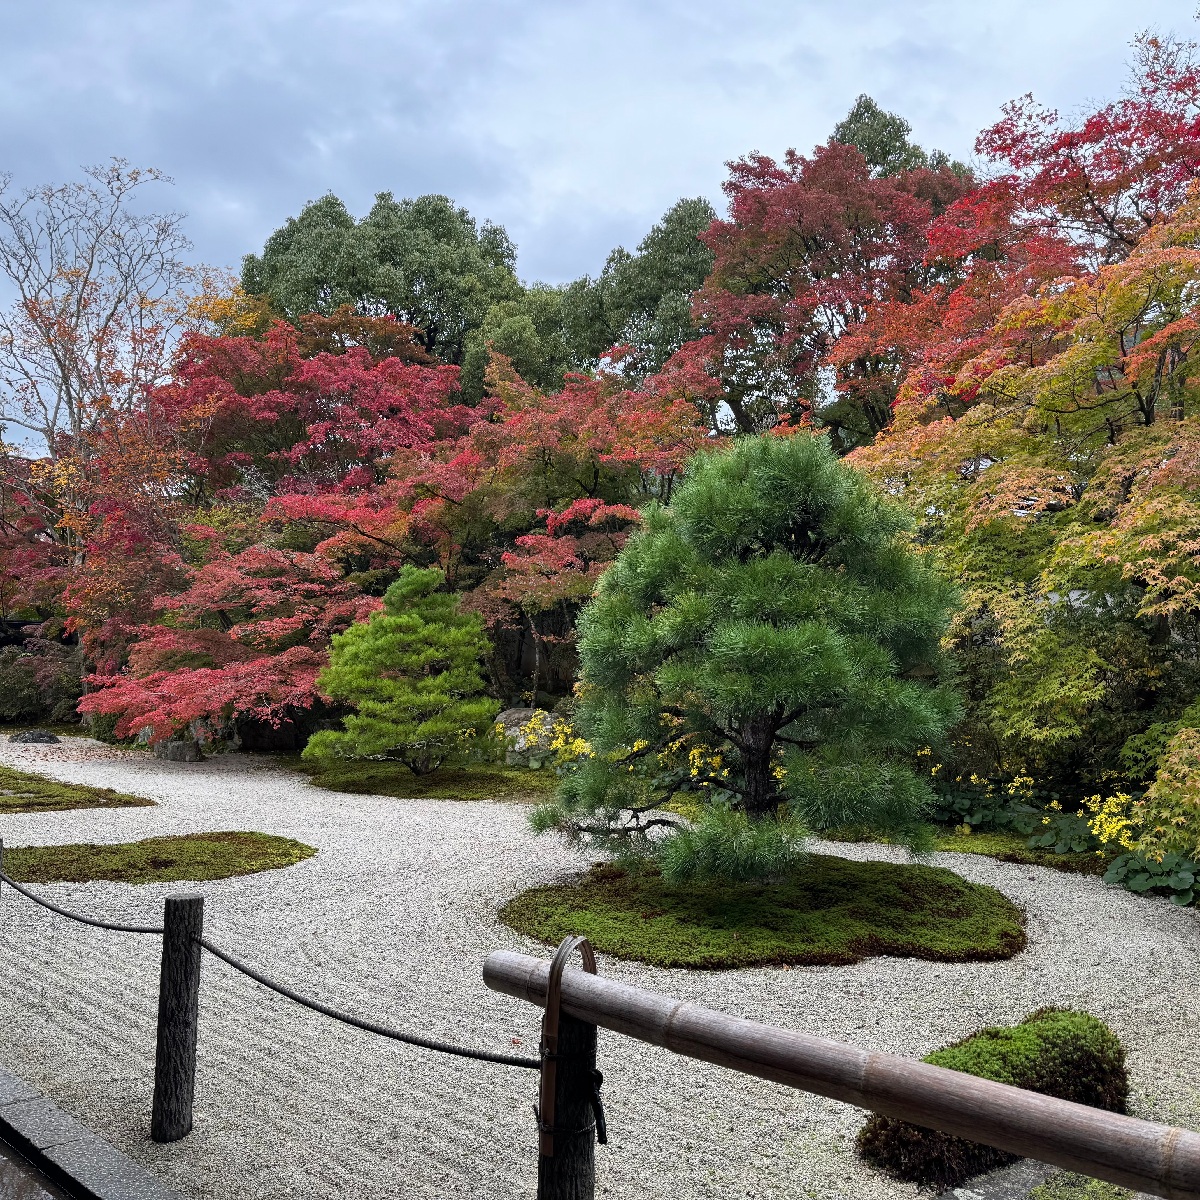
<point x="412" y="674"/>
<point x="773" y="620"/>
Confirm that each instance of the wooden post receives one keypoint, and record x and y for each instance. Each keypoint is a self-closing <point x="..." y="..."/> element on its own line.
<point x="569" y="1114"/>
<point x="570" y="1173"/>
<point x="1141" y="1155"/>
<point x="178" y="1017"/>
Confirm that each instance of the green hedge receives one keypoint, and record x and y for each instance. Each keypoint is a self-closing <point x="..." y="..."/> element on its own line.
<point x="1055" y="1051"/>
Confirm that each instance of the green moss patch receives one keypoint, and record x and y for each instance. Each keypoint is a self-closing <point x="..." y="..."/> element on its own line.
<point x="25" y="792"/>
<point x="1005" y="847"/>
<point x="192" y="857"/>
<point x="1055" y="1051"/>
<point x="1065" y="1185"/>
<point x="831" y="911"/>
<point x="1011" y="847"/>
<point x="450" y="783"/>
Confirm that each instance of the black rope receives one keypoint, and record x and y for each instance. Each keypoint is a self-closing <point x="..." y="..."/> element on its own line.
<point x="74" y="916"/>
<point x="316" y="1005"/>
<point x="369" y="1026"/>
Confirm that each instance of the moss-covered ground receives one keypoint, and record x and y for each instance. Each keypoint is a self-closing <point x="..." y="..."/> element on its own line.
<point x="831" y="911"/>
<point x="1006" y="847"/>
<point x="449" y="783"/>
<point x="1067" y="1186"/>
<point x="1011" y="847"/>
<point x="73" y="730"/>
<point x="192" y="857"/>
<point x="25" y="792"/>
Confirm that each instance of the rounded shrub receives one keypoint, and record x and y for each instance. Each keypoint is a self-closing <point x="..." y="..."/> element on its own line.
<point x="1055" y="1051"/>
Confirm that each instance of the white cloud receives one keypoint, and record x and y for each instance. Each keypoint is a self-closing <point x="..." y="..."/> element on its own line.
<point x="575" y="125"/>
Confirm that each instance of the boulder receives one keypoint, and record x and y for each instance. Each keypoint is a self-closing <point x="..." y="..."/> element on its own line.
<point x="178" y="751"/>
<point x="39" y="736"/>
<point x="524" y="746"/>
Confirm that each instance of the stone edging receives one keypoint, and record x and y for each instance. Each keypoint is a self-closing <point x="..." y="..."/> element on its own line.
<point x="68" y="1153"/>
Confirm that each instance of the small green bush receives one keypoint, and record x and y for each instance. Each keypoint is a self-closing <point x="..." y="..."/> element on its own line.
<point x="1172" y="875"/>
<point x="1055" y="1051"/>
<point x="724" y="844"/>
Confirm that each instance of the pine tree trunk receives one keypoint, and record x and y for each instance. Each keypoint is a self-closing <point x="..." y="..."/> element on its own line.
<point x="758" y="741"/>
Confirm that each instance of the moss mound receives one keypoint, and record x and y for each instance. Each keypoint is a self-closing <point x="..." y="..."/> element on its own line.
<point x="1054" y="1051"/>
<point x="192" y="857"/>
<point x="25" y="792"/>
<point x="832" y="911"/>
<point x="451" y="783"/>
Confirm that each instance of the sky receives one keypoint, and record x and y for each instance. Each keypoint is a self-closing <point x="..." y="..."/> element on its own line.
<point x="574" y="124"/>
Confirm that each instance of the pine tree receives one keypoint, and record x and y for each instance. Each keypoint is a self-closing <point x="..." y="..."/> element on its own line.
<point x="773" y="626"/>
<point x="412" y="673"/>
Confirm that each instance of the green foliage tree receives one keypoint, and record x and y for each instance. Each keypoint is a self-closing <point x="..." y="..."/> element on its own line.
<point x="423" y="261"/>
<point x="643" y="299"/>
<point x="772" y="626"/>
<point x="530" y="332"/>
<point x="412" y="673"/>
<point x="881" y="137"/>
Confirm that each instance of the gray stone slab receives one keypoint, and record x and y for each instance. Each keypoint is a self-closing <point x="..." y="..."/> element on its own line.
<point x="105" y="1173"/>
<point x="13" y="1089"/>
<point x="68" y="1152"/>
<point x="39" y="1124"/>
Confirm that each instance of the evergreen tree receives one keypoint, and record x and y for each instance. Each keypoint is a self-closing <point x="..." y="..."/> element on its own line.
<point x="423" y="261"/>
<point x="773" y="628"/>
<point x="643" y="299"/>
<point x="882" y="139"/>
<point x="412" y="674"/>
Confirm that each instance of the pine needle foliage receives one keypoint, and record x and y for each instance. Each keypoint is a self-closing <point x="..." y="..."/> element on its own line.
<point x="775" y="614"/>
<point x="412" y="673"/>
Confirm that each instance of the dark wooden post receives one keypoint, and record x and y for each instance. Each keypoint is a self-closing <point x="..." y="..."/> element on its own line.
<point x="569" y="1173"/>
<point x="570" y="1116"/>
<point x="178" y="1017"/>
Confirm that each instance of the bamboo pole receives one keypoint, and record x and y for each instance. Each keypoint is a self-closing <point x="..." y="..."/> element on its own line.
<point x="1147" y="1157"/>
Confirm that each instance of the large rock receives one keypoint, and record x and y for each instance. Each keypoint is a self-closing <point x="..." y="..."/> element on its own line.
<point x="525" y="746"/>
<point x="178" y="751"/>
<point x="34" y="735"/>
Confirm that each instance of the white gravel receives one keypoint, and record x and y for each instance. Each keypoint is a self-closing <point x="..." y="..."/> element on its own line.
<point x="393" y="918"/>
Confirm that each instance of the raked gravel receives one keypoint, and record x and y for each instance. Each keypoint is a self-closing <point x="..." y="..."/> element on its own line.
<point x="393" y="918"/>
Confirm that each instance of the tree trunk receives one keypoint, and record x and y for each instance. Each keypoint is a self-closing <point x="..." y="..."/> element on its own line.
<point x="758" y="741"/>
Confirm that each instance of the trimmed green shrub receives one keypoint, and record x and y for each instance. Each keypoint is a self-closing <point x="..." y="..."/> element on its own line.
<point x="412" y="673"/>
<point x="1055" y="1051"/>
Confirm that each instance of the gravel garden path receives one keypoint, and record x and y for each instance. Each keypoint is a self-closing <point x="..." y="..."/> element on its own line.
<point x="393" y="918"/>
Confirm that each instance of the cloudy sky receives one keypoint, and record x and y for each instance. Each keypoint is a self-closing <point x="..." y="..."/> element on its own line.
<point x="574" y="124"/>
